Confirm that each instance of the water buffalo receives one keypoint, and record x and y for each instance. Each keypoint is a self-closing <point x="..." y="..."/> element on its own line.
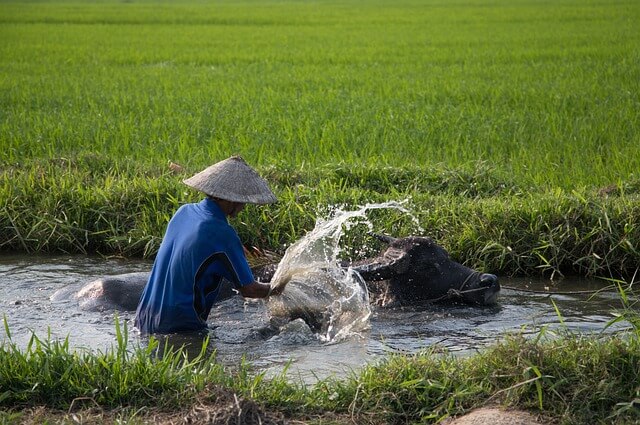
<point x="415" y="270"/>
<point x="412" y="270"/>
<point x="119" y="292"/>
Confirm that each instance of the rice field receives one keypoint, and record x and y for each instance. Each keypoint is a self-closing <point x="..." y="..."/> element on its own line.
<point x="524" y="113"/>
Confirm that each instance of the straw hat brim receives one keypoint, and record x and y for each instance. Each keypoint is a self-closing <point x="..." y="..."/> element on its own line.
<point x="233" y="180"/>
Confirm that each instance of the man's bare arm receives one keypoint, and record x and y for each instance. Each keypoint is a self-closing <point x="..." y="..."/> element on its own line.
<point x="257" y="290"/>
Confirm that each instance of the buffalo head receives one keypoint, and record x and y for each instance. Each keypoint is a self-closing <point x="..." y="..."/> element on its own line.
<point x="415" y="270"/>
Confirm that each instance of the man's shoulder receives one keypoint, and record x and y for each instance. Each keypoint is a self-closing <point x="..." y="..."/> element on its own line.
<point x="215" y="228"/>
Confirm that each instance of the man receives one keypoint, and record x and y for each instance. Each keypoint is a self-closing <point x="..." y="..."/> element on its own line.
<point x="199" y="249"/>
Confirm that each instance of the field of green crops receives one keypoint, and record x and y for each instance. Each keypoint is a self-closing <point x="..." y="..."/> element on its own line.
<point x="513" y="126"/>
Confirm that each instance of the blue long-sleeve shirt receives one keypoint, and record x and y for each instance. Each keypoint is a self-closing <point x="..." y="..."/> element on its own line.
<point x="199" y="248"/>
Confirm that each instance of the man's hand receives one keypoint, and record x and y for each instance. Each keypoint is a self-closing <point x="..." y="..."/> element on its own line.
<point x="278" y="287"/>
<point x="276" y="290"/>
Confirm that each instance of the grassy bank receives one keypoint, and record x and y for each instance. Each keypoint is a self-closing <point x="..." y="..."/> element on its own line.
<point x="482" y="216"/>
<point x="573" y="379"/>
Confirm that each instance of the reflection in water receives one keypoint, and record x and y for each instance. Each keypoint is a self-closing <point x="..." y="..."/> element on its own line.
<point x="242" y="329"/>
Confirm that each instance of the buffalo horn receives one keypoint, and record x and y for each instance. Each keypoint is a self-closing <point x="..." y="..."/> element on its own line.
<point x="383" y="238"/>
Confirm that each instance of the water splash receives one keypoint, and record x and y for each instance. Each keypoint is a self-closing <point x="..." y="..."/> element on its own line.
<point x="332" y="299"/>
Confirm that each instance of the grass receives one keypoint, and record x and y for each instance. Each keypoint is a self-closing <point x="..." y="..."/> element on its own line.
<point x="48" y="372"/>
<point x="480" y="214"/>
<point x="571" y="378"/>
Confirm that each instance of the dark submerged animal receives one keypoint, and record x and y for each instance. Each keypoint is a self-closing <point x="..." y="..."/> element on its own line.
<point x="415" y="270"/>
<point x="119" y="292"/>
<point x="122" y="292"/>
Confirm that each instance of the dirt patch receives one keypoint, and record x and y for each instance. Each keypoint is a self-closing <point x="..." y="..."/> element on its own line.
<point x="495" y="416"/>
<point x="225" y="407"/>
<point x="220" y="406"/>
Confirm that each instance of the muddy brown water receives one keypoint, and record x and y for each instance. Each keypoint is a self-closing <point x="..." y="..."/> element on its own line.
<point x="28" y="283"/>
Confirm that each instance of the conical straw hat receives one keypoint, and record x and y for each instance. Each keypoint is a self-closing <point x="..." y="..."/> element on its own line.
<point x="233" y="180"/>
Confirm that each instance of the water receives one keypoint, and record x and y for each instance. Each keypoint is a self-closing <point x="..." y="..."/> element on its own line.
<point x="27" y="283"/>
<point x="36" y="296"/>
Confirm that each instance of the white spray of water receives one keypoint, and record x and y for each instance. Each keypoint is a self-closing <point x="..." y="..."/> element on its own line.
<point x="318" y="289"/>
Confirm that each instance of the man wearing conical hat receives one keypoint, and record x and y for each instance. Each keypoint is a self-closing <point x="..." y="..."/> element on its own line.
<point x="199" y="249"/>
